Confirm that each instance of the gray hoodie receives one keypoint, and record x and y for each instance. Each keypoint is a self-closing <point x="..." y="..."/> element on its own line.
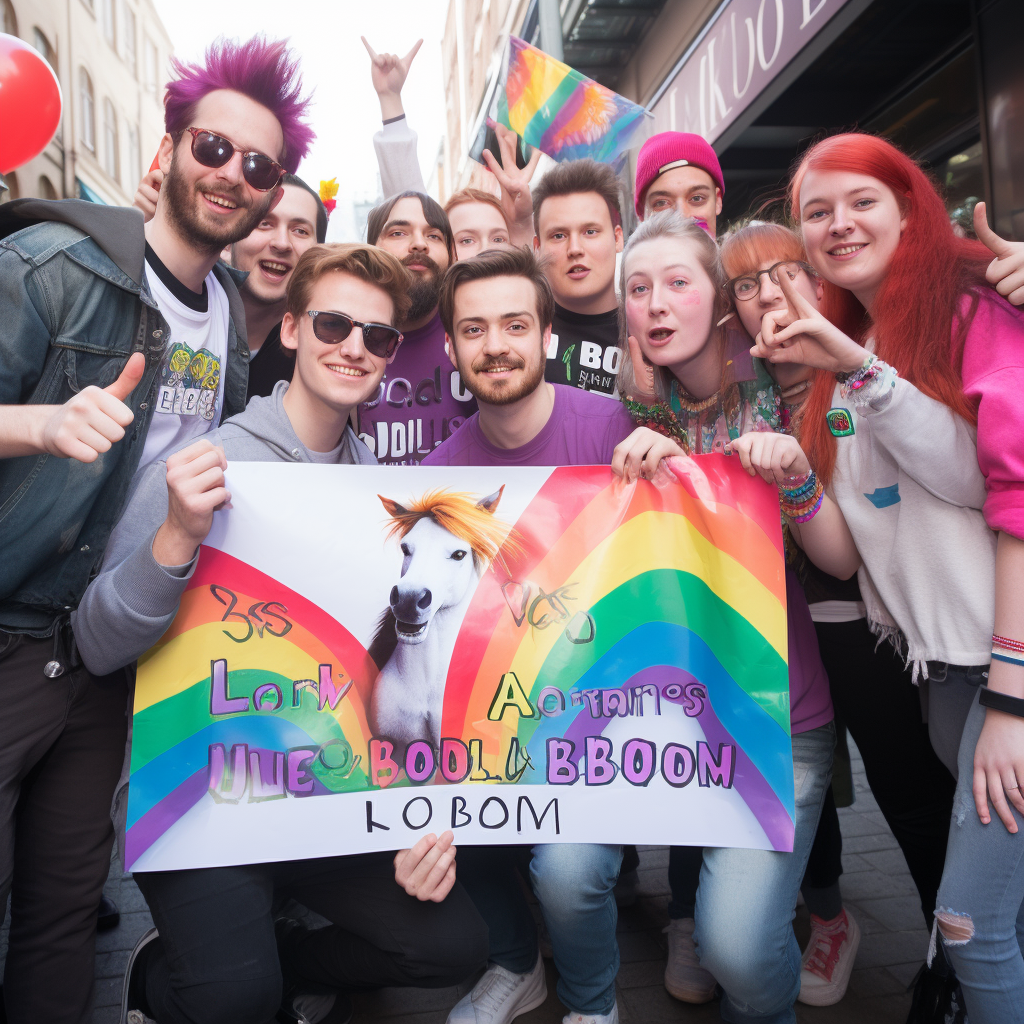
<point x="130" y="604"/>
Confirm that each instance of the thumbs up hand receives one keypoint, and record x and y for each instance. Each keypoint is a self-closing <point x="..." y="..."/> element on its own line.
<point x="94" y="419"/>
<point x="1006" y="272"/>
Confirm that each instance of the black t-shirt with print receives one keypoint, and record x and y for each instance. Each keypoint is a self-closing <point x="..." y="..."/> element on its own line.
<point x="584" y="351"/>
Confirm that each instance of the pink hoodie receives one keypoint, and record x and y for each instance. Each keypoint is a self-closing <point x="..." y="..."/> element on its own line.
<point x="993" y="375"/>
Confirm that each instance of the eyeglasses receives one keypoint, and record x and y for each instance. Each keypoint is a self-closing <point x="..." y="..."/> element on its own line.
<point x="212" y="150"/>
<point x="380" y="340"/>
<point x="749" y="285"/>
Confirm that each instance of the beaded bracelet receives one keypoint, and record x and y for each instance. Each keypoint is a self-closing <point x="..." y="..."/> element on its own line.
<point x="1007" y="643"/>
<point x="793" y="509"/>
<point x="792" y="486"/>
<point x="846" y="377"/>
<point x="801" y="497"/>
<point x="809" y="515"/>
<point x="865" y="375"/>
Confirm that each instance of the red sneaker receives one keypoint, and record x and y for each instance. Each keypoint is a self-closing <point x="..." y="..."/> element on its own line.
<point x="828" y="960"/>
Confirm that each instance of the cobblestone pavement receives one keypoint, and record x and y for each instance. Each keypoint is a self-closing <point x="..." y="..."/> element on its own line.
<point x="876" y="887"/>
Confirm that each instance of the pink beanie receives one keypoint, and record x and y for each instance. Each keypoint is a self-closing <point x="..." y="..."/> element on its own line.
<point x="673" y="149"/>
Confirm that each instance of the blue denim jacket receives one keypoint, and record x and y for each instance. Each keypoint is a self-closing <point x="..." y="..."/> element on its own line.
<point x="74" y="304"/>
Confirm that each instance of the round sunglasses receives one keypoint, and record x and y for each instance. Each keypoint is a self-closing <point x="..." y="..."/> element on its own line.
<point x="212" y="150"/>
<point x="380" y="340"/>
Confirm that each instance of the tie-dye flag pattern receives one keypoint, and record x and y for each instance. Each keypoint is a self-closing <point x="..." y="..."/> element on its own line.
<point x="563" y="113"/>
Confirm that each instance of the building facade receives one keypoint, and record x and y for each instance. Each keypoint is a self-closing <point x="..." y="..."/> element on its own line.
<point x="763" y="79"/>
<point x="112" y="60"/>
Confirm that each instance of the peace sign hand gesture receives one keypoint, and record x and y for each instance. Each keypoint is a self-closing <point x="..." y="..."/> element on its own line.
<point x="1006" y="272"/>
<point x="388" y="73"/>
<point x="516" y="201"/>
<point x="800" y="334"/>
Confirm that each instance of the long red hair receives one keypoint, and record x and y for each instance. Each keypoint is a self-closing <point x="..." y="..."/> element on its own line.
<point x="917" y="304"/>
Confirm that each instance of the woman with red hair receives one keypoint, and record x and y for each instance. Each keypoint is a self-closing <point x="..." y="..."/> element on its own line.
<point x="915" y="424"/>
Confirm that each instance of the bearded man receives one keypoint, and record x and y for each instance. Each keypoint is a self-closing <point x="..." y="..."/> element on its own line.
<point x="422" y="399"/>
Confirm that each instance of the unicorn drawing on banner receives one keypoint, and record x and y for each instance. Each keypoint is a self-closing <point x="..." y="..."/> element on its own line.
<point x="448" y="541"/>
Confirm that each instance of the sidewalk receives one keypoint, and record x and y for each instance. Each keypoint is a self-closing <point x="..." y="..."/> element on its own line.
<point x="876" y="887"/>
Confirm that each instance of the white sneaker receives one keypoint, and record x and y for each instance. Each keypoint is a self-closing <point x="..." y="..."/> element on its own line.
<point x="500" y="996"/>
<point x="828" y="960"/>
<point x="593" y="1018"/>
<point x="684" y="977"/>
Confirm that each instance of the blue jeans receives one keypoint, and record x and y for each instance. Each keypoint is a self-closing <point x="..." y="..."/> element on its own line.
<point x="746" y="901"/>
<point x="983" y="887"/>
<point x="574" y="883"/>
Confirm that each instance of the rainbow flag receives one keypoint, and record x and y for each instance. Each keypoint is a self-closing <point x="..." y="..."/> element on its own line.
<point x="563" y="113"/>
<point x="624" y="656"/>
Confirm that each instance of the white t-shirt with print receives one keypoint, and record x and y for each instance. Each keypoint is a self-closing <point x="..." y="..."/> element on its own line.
<point x="191" y="389"/>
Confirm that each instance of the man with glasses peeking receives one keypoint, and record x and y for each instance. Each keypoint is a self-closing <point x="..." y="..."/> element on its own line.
<point x="217" y="953"/>
<point x="119" y="342"/>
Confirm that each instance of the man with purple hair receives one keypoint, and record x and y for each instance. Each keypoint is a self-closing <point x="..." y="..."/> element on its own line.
<point x="234" y="129"/>
<point x="119" y="342"/>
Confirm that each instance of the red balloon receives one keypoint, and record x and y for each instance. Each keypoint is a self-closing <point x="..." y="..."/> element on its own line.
<point x="30" y="103"/>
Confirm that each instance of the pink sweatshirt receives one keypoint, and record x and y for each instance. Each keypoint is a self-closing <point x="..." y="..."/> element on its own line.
<point x="993" y="375"/>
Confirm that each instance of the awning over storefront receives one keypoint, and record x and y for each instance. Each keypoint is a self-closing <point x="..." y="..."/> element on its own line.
<point x="88" y="194"/>
<point x="599" y="37"/>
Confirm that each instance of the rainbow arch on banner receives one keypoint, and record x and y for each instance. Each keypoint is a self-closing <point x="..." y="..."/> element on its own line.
<point x="707" y="555"/>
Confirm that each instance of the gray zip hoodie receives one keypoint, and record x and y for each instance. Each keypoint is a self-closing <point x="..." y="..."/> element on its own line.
<point x="130" y="604"/>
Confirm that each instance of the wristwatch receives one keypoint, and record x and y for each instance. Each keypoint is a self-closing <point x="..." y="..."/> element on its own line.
<point x="1001" y="702"/>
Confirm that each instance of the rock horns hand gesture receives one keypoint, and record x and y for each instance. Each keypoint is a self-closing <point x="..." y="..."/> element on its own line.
<point x="388" y="73"/>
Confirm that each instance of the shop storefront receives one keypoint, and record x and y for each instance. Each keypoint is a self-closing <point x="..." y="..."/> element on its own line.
<point x="944" y="79"/>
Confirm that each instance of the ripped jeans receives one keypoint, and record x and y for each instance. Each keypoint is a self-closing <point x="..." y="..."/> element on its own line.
<point x="979" y="911"/>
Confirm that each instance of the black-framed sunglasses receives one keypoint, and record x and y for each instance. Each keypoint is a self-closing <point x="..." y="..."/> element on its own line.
<point x="748" y="285"/>
<point x="213" y="150"/>
<point x="380" y="340"/>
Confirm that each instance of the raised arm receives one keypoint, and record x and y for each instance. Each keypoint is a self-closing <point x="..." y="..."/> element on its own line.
<point x="516" y="200"/>
<point x="395" y="143"/>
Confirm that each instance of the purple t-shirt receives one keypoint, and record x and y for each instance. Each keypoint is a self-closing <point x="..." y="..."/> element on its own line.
<point x="420" y="402"/>
<point x="810" y="702"/>
<point x="583" y="430"/>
